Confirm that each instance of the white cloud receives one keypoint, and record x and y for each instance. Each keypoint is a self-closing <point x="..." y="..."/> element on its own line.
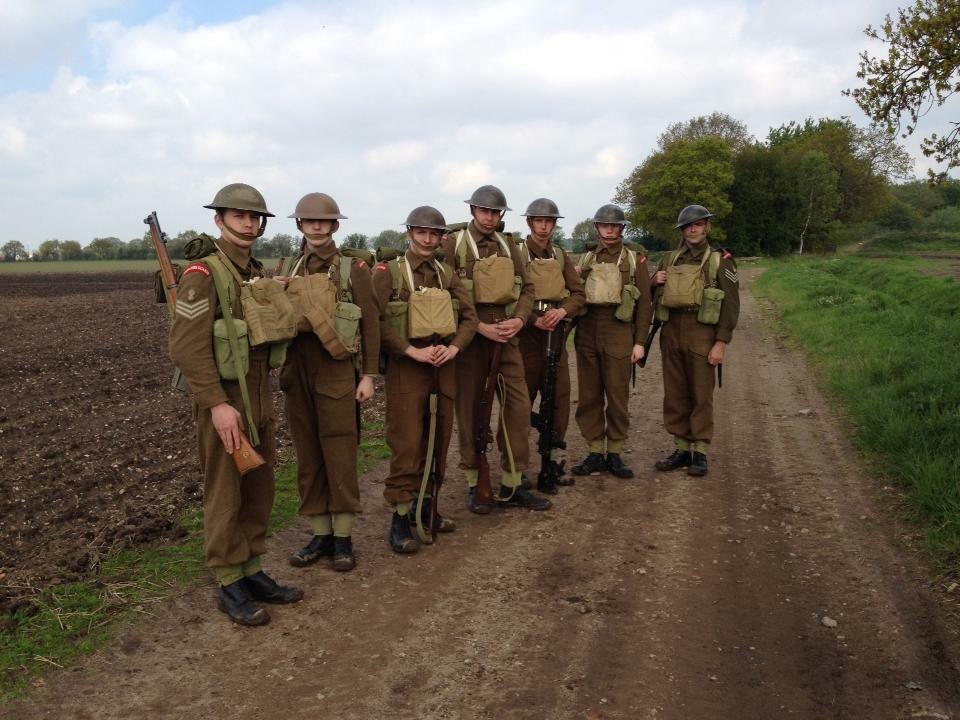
<point x="388" y="106"/>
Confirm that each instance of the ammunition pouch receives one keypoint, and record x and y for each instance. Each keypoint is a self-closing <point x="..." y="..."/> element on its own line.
<point x="346" y="321"/>
<point x="396" y="315"/>
<point x="223" y="349"/>
<point x="268" y="312"/>
<point x="628" y="301"/>
<point x="431" y="313"/>
<point x="709" y="313"/>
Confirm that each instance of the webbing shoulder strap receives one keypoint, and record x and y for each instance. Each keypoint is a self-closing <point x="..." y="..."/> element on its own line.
<point x="222" y="282"/>
<point x="525" y="254"/>
<point x="397" y="278"/>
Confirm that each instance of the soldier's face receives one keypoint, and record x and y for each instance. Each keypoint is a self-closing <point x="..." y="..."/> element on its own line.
<point x="486" y="218"/>
<point x="696" y="232"/>
<point x="242" y="224"/>
<point x="423" y="241"/>
<point x="609" y="232"/>
<point x="317" y="232"/>
<point x="541" y="227"/>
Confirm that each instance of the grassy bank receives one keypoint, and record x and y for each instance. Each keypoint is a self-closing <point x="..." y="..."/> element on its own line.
<point x="68" y="621"/>
<point x="886" y="339"/>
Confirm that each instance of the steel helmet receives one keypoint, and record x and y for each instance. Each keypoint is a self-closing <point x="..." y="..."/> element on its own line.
<point x="426" y="217"/>
<point x="490" y="197"/>
<point x="240" y="196"/>
<point x="611" y="214"/>
<point x="692" y="213"/>
<point x="317" y="206"/>
<point x="542" y="207"/>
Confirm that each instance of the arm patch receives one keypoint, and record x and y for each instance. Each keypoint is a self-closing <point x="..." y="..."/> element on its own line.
<point x="197" y="267"/>
<point x="381" y="266"/>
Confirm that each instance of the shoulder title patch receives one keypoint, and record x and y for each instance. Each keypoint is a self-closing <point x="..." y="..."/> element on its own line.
<point x="197" y="267"/>
<point x="727" y="255"/>
<point x="643" y="259"/>
<point x="381" y="266"/>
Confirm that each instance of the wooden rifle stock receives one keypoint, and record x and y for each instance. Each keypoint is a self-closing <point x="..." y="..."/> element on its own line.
<point x="483" y="437"/>
<point x="648" y="343"/>
<point x="543" y="420"/>
<point x="159" y="240"/>
<point x="435" y="481"/>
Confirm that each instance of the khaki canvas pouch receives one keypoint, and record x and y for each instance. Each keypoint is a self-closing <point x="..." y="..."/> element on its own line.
<point x="431" y="313"/>
<point x="629" y="297"/>
<point x="395" y="313"/>
<point x="709" y="313"/>
<point x="323" y="327"/>
<point x="346" y="321"/>
<point x="603" y="284"/>
<point x="222" y="351"/>
<point x="493" y="280"/>
<point x="547" y="278"/>
<point x="268" y="312"/>
<point x="310" y="291"/>
<point x="684" y="287"/>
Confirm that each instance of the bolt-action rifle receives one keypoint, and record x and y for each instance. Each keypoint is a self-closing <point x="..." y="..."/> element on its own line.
<point x="483" y="438"/>
<point x="543" y="420"/>
<point x="245" y="457"/>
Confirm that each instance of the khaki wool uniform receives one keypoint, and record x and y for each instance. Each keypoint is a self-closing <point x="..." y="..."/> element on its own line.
<point x="473" y="364"/>
<point x="235" y="509"/>
<point x="603" y="346"/>
<point x="321" y="395"/>
<point x="688" y="379"/>
<point x="533" y="341"/>
<point x="408" y="382"/>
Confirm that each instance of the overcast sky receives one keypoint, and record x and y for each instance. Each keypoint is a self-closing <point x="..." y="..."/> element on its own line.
<point x="112" y="108"/>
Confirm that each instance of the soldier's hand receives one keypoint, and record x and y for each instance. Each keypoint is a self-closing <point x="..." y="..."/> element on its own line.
<point x="509" y="328"/>
<point x="365" y="388"/>
<point x="423" y="355"/>
<point x="553" y="317"/>
<point x="491" y="331"/>
<point x="282" y="279"/>
<point x="659" y="277"/>
<point x="715" y="356"/>
<point x="636" y="355"/>
<point x="445" y="354"/>
<point x="228" y="424"/>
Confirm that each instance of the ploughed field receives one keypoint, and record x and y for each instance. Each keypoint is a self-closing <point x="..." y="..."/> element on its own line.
<point x="96" y="449"/>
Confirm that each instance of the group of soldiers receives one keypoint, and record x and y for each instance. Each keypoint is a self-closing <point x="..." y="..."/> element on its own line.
<point x="464" y="314"/>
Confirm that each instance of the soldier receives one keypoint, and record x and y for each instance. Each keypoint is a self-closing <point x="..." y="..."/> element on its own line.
<point x="339" y="331"/>
<point x="558" y="294"/>
<point x="417" y="359"/>
<point x="609" y="340"/>
<point x="489" y="266"/>
<point x="698" y="298"/>
<point x="235" y="508"/>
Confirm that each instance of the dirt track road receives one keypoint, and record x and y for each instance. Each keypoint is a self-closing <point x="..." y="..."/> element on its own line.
<point x="660" y="597"/>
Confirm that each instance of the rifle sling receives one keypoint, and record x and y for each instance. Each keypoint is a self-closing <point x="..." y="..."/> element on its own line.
<point x="221" y="282"/>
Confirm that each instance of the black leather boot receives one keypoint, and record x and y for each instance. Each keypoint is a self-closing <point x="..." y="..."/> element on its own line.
<point x="616" y="466"/>
<point x="343" y="559"/>
<point x="401" y="539"/>
<point x="546" y="484"/>
<point x="677" y="459"/>
<point x="698" y="465"/>
<point x="444" y="525"/>
<point x="264" y="588"/>
<point x="318" y="547"/>
<point x="234" y="599"/>
<point x="592" y="463"/>
<point x="519" y="497"/>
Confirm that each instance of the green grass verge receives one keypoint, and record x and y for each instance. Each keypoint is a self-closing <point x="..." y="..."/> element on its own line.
<point x="894" y="242"/>
<point x="886" y="338"/>
<point x="72" y="620"/>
